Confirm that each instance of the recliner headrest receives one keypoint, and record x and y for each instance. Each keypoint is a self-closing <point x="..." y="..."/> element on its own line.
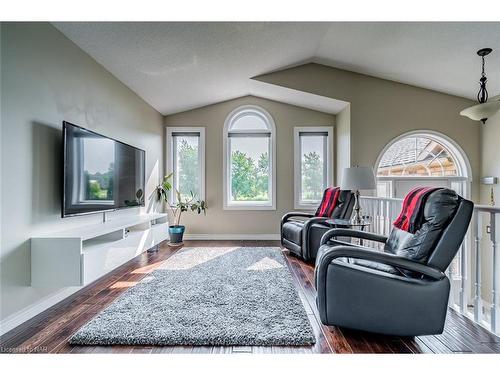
<point x="440" y="207"/>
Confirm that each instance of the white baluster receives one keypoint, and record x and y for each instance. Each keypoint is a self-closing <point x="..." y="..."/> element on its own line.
<point x="463" y="276"/>
<point x="495" y="326"/>
<point x="478" y="308"/>
<point x="389" y="216"/>
<point x="392" y="208"/>
<point x="372" y="215"/>
<point x="377" y="215"/>
<point x="387" y="220"/>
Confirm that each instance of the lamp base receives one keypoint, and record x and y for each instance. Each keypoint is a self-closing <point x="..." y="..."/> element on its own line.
<point x="357" y="218"/>
<point x="355" y="221"/>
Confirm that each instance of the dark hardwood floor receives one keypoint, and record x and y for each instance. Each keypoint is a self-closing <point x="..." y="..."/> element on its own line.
<point x="49" y="331"/>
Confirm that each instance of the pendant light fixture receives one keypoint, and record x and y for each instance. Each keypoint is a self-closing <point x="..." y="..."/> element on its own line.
<point x="486" y="108"/>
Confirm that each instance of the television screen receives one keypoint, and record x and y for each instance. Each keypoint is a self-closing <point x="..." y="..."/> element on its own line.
<point x="100" y="173"/>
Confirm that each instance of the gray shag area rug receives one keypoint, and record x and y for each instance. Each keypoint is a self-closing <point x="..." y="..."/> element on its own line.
<point x="207" y="296"/>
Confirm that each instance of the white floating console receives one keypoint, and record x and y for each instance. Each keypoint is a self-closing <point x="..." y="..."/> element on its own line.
<point x="79" y="256"/>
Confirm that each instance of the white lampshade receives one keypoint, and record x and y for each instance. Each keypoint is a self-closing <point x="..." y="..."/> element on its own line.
<point x="482" y="111"/>
<point x="358" y="178"/>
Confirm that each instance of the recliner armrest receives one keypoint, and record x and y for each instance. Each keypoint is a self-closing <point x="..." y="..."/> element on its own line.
<point x="286" y="218"/>
<point x="352" y="233"/>
<point x="335" y="252"/>
<point x="315" y="220"/>
<point x="288" y="215"/>
<point x="306" y="232"/>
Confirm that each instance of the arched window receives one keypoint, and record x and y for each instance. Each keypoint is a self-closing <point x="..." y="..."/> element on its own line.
<point x="417" y="156"/>
<point x="249" y="159"/>
<point x="421" y="159"/>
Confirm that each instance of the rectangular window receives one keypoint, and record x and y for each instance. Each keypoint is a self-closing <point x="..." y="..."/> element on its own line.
<point x="313" y="161"/>
<point x="186" y="160"/>
<point x="250" y="169"/>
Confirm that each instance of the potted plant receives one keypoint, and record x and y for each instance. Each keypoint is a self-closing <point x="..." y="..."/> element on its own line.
<point x="191" y="203"/>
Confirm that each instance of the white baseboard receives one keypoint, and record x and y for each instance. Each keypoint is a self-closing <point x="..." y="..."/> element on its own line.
<point x="196" y="236"/>
<point x="14" y="320"/>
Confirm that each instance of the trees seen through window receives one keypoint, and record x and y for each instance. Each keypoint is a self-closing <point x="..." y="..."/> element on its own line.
<point x="249" y="133"/>
<point x="313" y="164"/>
<point x="186" y="161"/>
<point x="187" y="167"/>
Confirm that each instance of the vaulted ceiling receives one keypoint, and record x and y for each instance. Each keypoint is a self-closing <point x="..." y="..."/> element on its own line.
<point x="179" y="66"/>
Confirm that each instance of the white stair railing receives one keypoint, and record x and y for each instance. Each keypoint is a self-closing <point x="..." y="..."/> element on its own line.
<point x="476" y="257"/>
<point x="487" y="268"/>
<point x="381" y="213"/>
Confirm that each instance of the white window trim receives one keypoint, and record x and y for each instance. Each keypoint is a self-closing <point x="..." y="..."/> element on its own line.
<point x="226" y="157"/>
<point x="296" y="162"/>
<point x="201" y="155"/>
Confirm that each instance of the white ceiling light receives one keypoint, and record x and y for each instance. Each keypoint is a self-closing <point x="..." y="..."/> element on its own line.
<point x="485" y="109"/>
<point x="482" y="112"/>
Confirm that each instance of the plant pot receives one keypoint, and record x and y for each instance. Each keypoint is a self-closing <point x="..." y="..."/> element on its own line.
<point x="176" y="232"/>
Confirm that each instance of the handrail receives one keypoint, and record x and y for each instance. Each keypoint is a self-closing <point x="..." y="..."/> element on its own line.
<point x="486" y="208"/>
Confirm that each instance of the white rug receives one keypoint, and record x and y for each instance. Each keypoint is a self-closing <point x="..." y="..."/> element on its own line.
<point x="207" y="296"/>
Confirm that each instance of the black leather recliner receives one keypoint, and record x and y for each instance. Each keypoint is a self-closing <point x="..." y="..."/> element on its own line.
<point x="302" y="237"/>
<point x="402" y="290"/>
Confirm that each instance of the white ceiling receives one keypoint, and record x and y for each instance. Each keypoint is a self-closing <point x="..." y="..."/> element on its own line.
<point x="179" y="66"/>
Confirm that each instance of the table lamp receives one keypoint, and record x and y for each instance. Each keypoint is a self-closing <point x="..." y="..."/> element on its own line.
<point x="356" y="179"/>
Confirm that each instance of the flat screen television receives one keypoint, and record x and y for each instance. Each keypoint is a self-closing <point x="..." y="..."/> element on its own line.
<point x="100" y="173"/>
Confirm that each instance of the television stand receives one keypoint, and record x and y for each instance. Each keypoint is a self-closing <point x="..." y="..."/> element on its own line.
<point x="79" y="256"/>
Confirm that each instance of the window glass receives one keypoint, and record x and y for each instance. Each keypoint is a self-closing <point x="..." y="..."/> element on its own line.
<point x="313" y="160"/>
<point x="417" y="156"/>
<point x="313" y="167"/>
<point x="249" y="169"/>
<point x="250" y="121"/>
<point x="186" y="166"/>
